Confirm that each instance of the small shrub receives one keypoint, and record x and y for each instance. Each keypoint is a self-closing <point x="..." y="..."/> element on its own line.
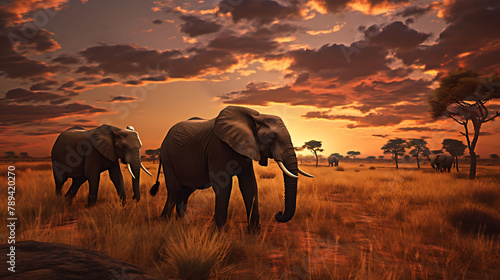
<point x="361" y="165"/>
<point x="266" y="175"/>
<point x="473" y="218"/>
<point x="339" y="168"/>
<point x="372" y="168"/>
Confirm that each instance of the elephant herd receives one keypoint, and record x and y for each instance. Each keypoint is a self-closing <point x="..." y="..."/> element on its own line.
<point x="195" y="154"/>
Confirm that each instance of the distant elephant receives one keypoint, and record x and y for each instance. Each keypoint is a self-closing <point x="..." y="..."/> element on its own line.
<point x="198" y="153"/>
<point x="442" y="162"/>
<point x="83" y="154"/>
<point x="333" y="160"/>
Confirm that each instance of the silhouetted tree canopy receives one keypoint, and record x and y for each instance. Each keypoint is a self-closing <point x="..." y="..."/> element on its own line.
<point x="462" y="96"/>
<point x="396" y="147"/>
<point x="419" y="149"/>
<point x="315" y="147"/>
<point x="353" y="154"/>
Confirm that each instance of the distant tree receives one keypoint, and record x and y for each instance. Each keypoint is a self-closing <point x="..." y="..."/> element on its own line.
<point x="456" y="148"/>
<point x="299" y="156"/>
<point x="381" y="157"/>
<point x="315" y="148"/>
<point x="462" y="96"/>
<point x="370" y="158"/>
<point x="153" y="153"/>
<point x="494" y="156"/>
<point x="419" y="149"/>
<point x="395" y="147"/>
<point x="435" y="152"/>
<point x="407" y="158"/>
<point x="338" y="155"/>
<point x="353" y="154"/>
<point x="24" y="155"/>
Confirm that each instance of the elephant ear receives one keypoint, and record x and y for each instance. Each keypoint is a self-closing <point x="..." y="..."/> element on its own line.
<point x="235" y="126"/>
<point x="102" y="138"/>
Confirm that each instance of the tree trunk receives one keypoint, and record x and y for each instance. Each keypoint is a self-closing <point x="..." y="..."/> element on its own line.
<point x="418" y="162"/>
<point x="316" y="155"/>
<point x="473" y="160"/>
<point x="396" y="158"/>
<point x="456" y="163"/>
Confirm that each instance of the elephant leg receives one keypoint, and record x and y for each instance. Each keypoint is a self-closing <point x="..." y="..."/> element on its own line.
<point x="75" y="186"/>
<point x="248" y="188"/>
<point x="59" y="180"/>
<point x="182" y="199"/>
<point x="93" y="188"/>
<point x="117" y="178"/>
<point x="222" y="194"/>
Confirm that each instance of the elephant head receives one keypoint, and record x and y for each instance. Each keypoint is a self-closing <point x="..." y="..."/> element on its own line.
<point x="260" y="137"/>
<point x="124" y="144"/>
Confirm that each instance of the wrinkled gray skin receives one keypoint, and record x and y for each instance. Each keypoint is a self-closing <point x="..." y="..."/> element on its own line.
<point x="333" y="160"/>
<point x="83" y="154"/>
<point x="197" y="154"/>
<point x="442" y="162"/>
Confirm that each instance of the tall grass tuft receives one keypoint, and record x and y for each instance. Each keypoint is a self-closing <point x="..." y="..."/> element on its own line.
<point x="196" y="253"/>
<point x="474" y="218"/>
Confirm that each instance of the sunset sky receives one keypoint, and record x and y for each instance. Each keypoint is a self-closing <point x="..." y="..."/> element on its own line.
<point x="350" y="73"/>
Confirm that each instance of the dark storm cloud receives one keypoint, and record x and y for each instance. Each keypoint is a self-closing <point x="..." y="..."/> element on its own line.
<point x="261" y="94"/>
<point x="302" y="78"/>
<point x="45" y="84"/>
<point x="415" y="11"/>
<point x="66" y="59"/>
<point x="369" y="120"/>
<point x="130" y="60"/>
<point x="88" y="70"/>
<point x="423" y="128"/>
<point x="276" y="30"/>
<point x="380" y="135"/>
<point x="195" y="26"/>
<point x="107" y="81"/>
<point x="396" y="35"/>
<point x="470" y="29"/>
<point x="20" y="95"/>
<point x="336" y="6"/>
<point x="340" y="61"/>
<point x="243" y="44"/>
<point x="122" y="98"/>
<point x="260" y="11"/>
<point x="13" y="113"/>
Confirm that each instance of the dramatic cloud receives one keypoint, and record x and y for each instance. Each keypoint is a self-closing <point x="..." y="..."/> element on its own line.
<point x="122" y="98"/>
<point x="13" y="113"/>
<point x="260" y="11"/>
<point x="262" y="94"/>
<point x="380" y="135"/>
<point x="157" y="21"/>
<point x="336" y="6"/>
<point x="66" y="59"/>
<point x="423" y="128"/>
<point x="243" y="44"/>
<point x="369" y="120"/>
<point x="396" y="35"/>
<point x="195" y="26"/>
<point x="469" y="33"/>
<point x="416" y="11"/>
<point x="20" y="95"/>
<point x="130" y="60"/>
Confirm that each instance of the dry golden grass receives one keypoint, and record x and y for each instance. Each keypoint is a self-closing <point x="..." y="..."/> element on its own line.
<point x="357" y="224"/>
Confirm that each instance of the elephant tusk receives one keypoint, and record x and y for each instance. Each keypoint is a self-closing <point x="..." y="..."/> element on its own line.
<point x="285" y="171"/>
<point x="305" y="173"/>
<point x="145" y="170"/>
<point x="130" y="170"/>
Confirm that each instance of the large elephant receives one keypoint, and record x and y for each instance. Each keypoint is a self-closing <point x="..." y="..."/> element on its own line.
<point x="333" y="160"/>
<point x="442" y="162"/>
<point x="197" y="154"/>
<point x="83" y="154"/>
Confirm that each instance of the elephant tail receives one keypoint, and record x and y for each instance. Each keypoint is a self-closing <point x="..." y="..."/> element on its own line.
<point x="154" y="190"/>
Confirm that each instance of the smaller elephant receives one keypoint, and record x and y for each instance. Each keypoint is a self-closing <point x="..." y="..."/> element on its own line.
<point x="83" y="154"/>
<point x="442" y="162"/>
<point x="333" y="160"/>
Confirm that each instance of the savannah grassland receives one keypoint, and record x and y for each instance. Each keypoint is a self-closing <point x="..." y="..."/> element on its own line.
<point x="358" y="223"/>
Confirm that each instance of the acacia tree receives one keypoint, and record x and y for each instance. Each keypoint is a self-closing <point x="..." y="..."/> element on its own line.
<point x="300" y="156"/>
<point x="419" y="149"/>
<point x="370" y="158"/>
<point x="494" y="156"/>
<point x="315" y="148"/>
<point x="455" y="147"/>
<point x="353" y="154"/>
<point x="462" y="96"/>
<point x="396" y="147"/>
<point x="153" y="153"/>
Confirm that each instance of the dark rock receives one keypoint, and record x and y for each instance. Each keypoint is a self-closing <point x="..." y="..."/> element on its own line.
<point x="54" y="261"/>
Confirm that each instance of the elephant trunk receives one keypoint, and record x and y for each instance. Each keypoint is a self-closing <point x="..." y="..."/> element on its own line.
<point x="135" y="168"/>
<point x="290" y="162"/>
